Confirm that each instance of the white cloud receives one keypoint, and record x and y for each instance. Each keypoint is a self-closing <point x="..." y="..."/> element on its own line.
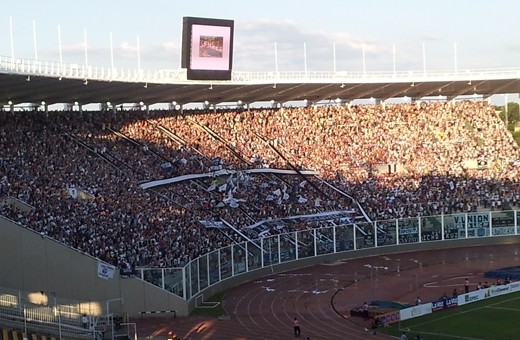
<point x="74" y="49"/>
<point x="255" y="41"/>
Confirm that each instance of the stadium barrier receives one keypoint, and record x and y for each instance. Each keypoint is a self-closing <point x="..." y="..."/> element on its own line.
<point x="460" y="300"/>
<point x="269" y="253"/>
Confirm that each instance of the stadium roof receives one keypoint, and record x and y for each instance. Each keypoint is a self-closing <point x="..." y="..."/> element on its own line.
<point x="34" y="83"/>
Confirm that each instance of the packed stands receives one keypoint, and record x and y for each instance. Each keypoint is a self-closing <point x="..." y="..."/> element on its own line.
<point x="83" y="172"/>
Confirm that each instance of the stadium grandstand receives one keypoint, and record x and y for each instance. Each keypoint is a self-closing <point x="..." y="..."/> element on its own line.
<point x="126" y="210"/>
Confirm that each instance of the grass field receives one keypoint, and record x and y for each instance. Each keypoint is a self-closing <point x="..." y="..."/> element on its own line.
<point x="491" y="319"/>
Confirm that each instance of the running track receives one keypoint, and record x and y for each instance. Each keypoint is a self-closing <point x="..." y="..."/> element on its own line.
<point x="322" y="296"/>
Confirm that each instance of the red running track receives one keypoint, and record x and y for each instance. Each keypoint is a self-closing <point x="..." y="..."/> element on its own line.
<point x="322" y="296"/>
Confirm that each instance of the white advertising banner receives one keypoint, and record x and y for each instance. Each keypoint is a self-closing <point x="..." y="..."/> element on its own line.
<point x="415" y="311"/>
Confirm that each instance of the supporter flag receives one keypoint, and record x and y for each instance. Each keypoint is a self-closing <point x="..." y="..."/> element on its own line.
<point x="83" y="196"/>
<point x="277" y="192"/>
<point x="230" y="179"/>
<point x="166" y="167"/>
<point x="73" y="192"/>
<point x="105" y="271"/>
<point x="229" y="195"/>
<point x="223" y="187"/>
<point x="317" y="202"/>
<point x="215" y="164"/>
<point x="269" y="198"/>
<point x="302" y="184"/>
<point x="302" y="199"/>
<point x="214" y="184"/>
<point x="285" y="196"/>
<point x="233" y="203"/>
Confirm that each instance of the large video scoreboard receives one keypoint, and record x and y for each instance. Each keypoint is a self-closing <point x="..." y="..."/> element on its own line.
<point x="207" y="48"/>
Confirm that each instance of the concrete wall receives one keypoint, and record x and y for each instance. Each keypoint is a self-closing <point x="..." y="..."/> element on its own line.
<point x="33" y="263"/>
<point x="308" y="262"/>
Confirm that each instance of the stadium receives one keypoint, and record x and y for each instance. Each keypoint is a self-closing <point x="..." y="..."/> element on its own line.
<point x="134" y="217"/>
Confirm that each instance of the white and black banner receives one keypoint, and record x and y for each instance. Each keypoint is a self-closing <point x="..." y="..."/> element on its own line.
<point x="105" y="271"/>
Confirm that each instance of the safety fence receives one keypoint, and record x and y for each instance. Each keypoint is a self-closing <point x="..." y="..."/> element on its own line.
<point x="227" y="262"/>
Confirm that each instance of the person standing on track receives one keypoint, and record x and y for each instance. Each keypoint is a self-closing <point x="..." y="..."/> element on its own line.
<point x="296" y="327"/>
<point x="365" y="311"/>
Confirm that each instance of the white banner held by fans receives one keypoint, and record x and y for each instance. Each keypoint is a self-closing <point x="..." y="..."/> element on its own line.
<point x="105" y="271"/>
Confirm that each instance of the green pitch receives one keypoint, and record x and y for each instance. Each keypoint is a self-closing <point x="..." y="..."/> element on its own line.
<point x="491" y="319"/>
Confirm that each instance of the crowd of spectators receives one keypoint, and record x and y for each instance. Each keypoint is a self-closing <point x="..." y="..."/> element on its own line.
<point x="81" y="172"/>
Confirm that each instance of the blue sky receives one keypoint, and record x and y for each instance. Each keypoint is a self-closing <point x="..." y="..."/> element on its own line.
<point x="485" y="33"/>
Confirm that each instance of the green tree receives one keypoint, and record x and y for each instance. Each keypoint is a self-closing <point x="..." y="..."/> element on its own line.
<point x="513" y="113"/>
<point x="513" y="118"/>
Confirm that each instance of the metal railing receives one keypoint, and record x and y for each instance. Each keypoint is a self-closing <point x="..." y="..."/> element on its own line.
<point x="237" y="259"/>
<point x="36" y="312"/>
<point x="81" y="71"/>
<point x="45" y="320"/>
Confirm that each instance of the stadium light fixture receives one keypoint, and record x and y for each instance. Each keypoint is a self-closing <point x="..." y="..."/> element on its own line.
<point x="85" y="82"/>
<point x="109" y="103"/>
<point x="76" y="103"/>
<point x="28" y="78"/>
<point x="141" y="103"/>
<point x="274" y="86"/>
<point x="43" y="103"/>
<point x="412" y="84"/>
<point x="342" y="86"/>
<point x="177" y="107"/>
<point x="210" y="87"/>
<point x="145" y="85"/>
<point x="206" y="103"/>
<point x="174" y="103"/>
<point x="239" y="102"/>
<point x="10" y="103"/>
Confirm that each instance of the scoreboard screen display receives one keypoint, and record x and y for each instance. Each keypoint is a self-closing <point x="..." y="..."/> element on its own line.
<point x="207" y="48"/>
